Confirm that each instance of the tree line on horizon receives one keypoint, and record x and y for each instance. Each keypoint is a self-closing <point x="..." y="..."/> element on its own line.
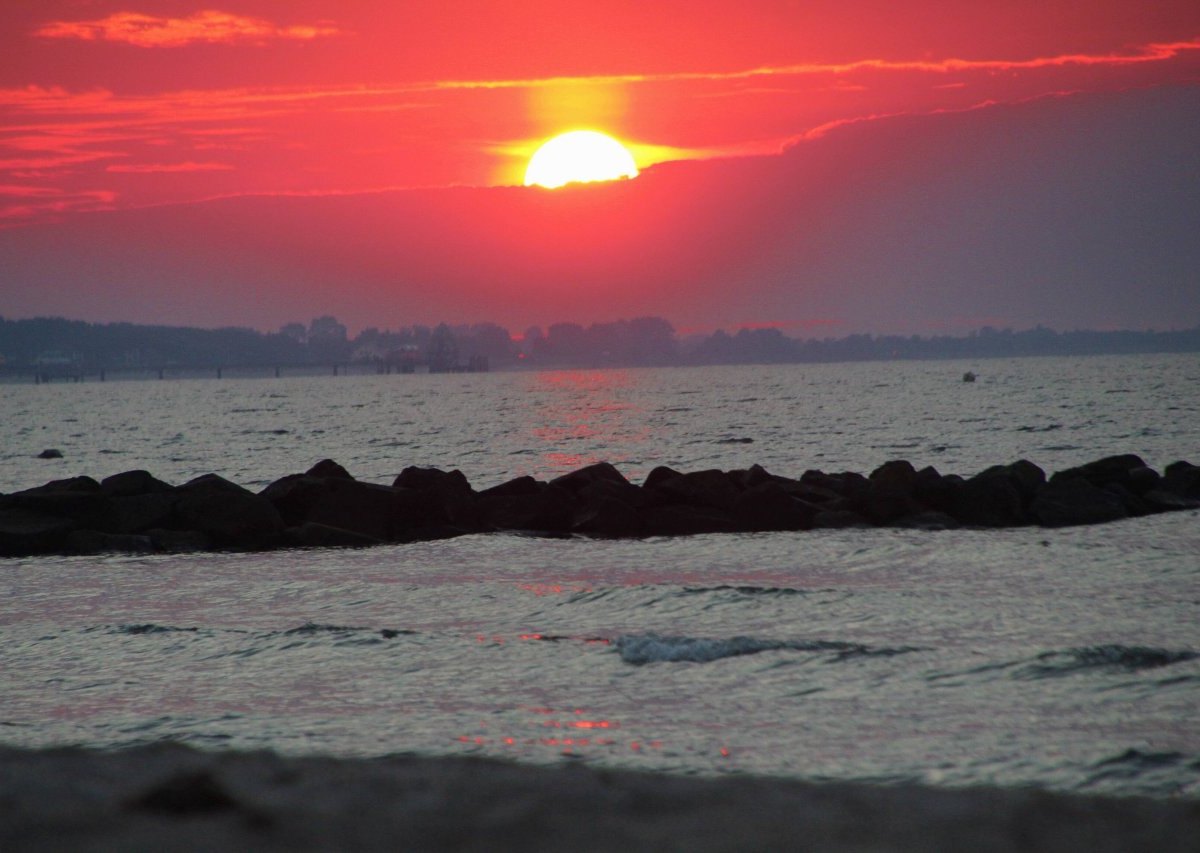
<point x="642" y="341"/>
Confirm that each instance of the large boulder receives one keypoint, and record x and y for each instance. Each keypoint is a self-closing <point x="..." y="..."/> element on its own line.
<point x="1076" y="500"/>
<point x="449" y="493"/>
<point x="847" y="484"/>
<point x="898" y="475"/>
<point x="1182" y="479"/>
<point x="937" y="492"/>
<point x="990" y="499"/>
<point x="133" y="483"/>
<point x="885" y="503"/>
<point x="709" y="488"/>
<point x="769" y="506"/>
<point x="610" y="490"/>
<point x="231" y="516"/>
<point x="1111" y="469"/>
<point x="548" y="509"/>
<point x="755" y="475"/>
<point x="1025" y="477"/>
<point x="681" y="520"/>
<point x="313" y="535"/>
<point x="600" y="472"/>
<point x="609" y="517"/>
<point x="295" y="495"/>
<point x="78" y="499"/>
<point x="523" y="485"/>
<point x="96" y="542"/>
<point x="380" y="512"/>
<point x="328" y="468"/>
<point x="24" y="532"/>
<point x="137" y="513"/>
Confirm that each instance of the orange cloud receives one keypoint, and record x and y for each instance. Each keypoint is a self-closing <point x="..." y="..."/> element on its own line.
<point x="42" y="203"/>
<point x="210" y="26"/>
<point x="189" y="166"/>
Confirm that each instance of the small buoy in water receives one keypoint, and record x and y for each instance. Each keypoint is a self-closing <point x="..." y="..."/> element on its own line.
<point x="50" y="453"/>
<point x="968" y="377"/>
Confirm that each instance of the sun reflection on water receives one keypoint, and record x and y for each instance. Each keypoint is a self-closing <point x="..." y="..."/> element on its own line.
<point x="587" y="416"/>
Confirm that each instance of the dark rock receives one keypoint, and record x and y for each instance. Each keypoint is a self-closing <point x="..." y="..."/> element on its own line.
<point x="838" y="519"/>
<point x="421" y="478"/>
<point x="607" y="517"/>
<point x="600" y="490"/>
<point x="753" y="476"/>
<point x="847" y="485"/>
<point x="24" y="532"/>
<point x="179" y="541"/>
<point x="233" y="517"/>
<point x="1182" y="479"/>
<point x="1134" y="504"/>
<point x="769" y="506"/>
<point x="1026" y="477"/>
<point x="990" y="499"/>
<point x="928" y="520"/>
<point x="1075" y="501"/>
<point x="584" y="477"/>
<point x="294" y="496"/>
<point x="50" y="453"/>
<point x="1164" y="501"/>
<point x="517" y="486"/>
<point x="1110" y="469"/>
<point x="883" y="504"/>
<point x="898" y="476"/>
<point x="380" y="512"/>
<point x="189" y="793"/>
<point x="95" y="542"/>
<point x="677" y="520"/>
<point x="313" y="535"/>
<point x="659" y="475"/>
<point x="709" y="488"/>
<point x="131" y="483"/>
<point x="449" y="491"/>
<point x="548" y="510"/>
<point x="71" y="484"/>
<point x="813" y="494"/>
<point x="329" y="468"/>
<point x="1142" y="480"/>
<point x="78" y="499"/>
<point x="943" y="494"/>
<point x="139" y="512"/>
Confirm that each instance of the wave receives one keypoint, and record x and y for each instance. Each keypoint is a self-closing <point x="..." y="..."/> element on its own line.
<point x="1055" y="664"/>
<point x="147" y="628"/>
<point x="769" y="591"/>
<point x="639" y="649"/>
<point x="1147" y="773"/>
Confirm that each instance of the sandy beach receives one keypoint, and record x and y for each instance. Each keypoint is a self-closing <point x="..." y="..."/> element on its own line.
<point x="170" y="797"/>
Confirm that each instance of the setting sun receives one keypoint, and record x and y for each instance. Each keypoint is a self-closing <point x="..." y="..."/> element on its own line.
<point x="579" y="156"/>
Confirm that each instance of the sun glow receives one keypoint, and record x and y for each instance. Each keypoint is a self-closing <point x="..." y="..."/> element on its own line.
<point x="579" y="156"/>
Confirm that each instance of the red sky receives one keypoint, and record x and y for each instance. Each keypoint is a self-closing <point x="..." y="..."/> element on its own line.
<point x="252" y="163"/>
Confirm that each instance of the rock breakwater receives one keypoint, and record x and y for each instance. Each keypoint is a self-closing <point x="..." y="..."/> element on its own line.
<point x="327" y="507"/>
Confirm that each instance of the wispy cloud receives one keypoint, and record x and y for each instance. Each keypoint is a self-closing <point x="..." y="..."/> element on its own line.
<point x="210" y="27"/>
<point x="149" y="168"/>
<point x="22" y="204"/>
<point x="1136" y="56"/>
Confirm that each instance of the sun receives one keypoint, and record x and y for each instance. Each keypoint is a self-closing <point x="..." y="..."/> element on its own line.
<point x="579" y="156"/>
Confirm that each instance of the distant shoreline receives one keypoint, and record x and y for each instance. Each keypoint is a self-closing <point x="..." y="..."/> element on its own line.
<point x="54" y="349"/>
<point x="168" y="796"/>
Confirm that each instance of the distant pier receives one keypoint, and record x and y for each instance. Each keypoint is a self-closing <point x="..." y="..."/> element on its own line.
<point x="42" y="374"/>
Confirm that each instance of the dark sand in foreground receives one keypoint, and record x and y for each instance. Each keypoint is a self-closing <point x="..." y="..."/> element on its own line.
<point x="171" y="797"/>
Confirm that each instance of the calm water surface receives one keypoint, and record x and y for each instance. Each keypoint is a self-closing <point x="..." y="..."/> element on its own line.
<point x="1060" y="658"/>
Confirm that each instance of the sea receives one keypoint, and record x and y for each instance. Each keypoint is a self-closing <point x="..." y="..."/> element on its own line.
<point x="1064" y="659"/>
